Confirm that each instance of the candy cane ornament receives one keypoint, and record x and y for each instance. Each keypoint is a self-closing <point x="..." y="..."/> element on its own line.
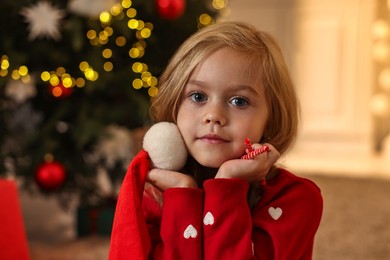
<point x="252" y="153"/>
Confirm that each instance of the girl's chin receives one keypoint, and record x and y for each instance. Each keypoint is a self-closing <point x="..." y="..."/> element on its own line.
<point x="212" y="162"/>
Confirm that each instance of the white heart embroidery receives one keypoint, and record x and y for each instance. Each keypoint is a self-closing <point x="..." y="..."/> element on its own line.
<point x="275" y="213"/>
<point x="208" y="219"/>
<point x="190" y="232"/>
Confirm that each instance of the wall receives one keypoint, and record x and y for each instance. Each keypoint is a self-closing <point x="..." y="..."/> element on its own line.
<point x="327" y="45"/>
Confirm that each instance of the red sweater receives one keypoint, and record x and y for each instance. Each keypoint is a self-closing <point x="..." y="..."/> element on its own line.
<point x="216" y="222"/>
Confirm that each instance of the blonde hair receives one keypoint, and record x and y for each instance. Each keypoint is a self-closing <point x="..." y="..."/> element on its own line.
<point x="266" y="59"/>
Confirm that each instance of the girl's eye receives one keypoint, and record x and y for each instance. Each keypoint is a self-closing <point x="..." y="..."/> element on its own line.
<point x="239" y="102"/>
<point x="198" y="97"/>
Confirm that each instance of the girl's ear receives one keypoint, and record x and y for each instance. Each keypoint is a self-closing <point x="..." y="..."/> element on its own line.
<point x="165" y="146"/>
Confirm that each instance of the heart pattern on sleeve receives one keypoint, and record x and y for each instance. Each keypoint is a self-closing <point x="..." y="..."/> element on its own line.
<point x="190" y="232"/>
<point x="208" y="219"/>
<point x="275" y="213"/>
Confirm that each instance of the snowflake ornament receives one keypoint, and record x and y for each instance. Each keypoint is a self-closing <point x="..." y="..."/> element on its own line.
<point x="20" y="91"/>
<point x="44" y="20"/>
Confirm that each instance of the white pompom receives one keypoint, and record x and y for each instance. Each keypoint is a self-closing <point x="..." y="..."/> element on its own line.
<point x="165" y="146"/>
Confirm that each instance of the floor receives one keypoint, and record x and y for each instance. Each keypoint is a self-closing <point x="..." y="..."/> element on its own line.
<point x="355" y="224"/>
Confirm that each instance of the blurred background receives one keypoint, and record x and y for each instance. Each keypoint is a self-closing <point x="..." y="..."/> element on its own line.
<point x="75" y="81"/>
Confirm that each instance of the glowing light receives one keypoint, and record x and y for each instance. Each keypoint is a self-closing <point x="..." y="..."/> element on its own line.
<point x="80" y="82"/>
<point x="205" y="19"/>
<point x="126" y="3"/>
<point x="4" y="62"/>
<point x="137" y="83"/>
<point x="23" y="70"/>
<point x="145" y="33"/>
<point x="45" y="76"/>
<point x="91" y="34"/>
<point x="107" y="53"/>
<point x="54" y="80"/>
<point x="380" y="29"/>
<point x="380" y="105"/>
<point x="56" y="91"/>
<point x="108" y="66"/>
<point x="153" y="91"/>
<point x="67" y="81"/>
<point x="105" y="17"/>
<point x="15" y="75"/>
<point x="116" y="9"/>
<point x="133" y="24"/>
<point x="120" y="41"/>
<point x="219" y="4"/>
<point x="131" y="13"/>
<point x="380" y="51"/>
<point x="89" y="74"/>
<point x="60" y="71"/>
<point x="137" y="67"/>
<point x="384" y="79"/>
<point x="134" y="53"/>
<point x="83" y="65"/>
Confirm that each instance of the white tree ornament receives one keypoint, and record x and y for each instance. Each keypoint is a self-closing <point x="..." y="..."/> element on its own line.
<point x="44" y="20"/>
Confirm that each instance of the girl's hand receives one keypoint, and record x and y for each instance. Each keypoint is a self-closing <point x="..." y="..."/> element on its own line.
<point x="164" y="179"/>
<point x="250" y="170"/>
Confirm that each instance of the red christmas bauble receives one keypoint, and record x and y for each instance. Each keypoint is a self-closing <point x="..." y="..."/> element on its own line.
<point x="171" y="9"/>
<point x="60" y="91"/>
<point x="50" y="176"/>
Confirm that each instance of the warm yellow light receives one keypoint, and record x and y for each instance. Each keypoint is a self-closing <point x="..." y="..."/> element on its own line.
<point x="134" y="53"/>
<point x="80" y="82"/>
<point x="137" y="83"/>
<point x="380" y="105"/>
<point x="126" y="3"/>
<point x="89" y="74"/>
<point x="133" y="24"/>
<point x="91" y="34"/>
<point x="116" y="9"/>
<point x="107" y="53"/>
<point x="60" y="71"/>
<point x="380" y="51"/>
<point x="45" y="76"/>
<point x="153" y="91"/>
<point x="23" y="70"/>
<point x="149" y="26"/>
<point x="3" y="73"/>
<point x="83" y="65"/>
<point x="67" y="82"/>
<point x="105" y="17"/>
<point x="384" y="79"/>
<point x="219" y="4"/>
<point x="137" y="67"/>
<point x="380" y="29"/>
<point x="120" y="41"/>
<point x="205" y="19"/>
<point x="109" y="31"/>
<point x="131" y="13"/>
<point x="108" y="66"/>
<point x="26" y="79"/>
<point x="145" y="33"/>
<point x="15" y="75"/>
<point x="4" y="62"/>
<point x="54" y="80"/>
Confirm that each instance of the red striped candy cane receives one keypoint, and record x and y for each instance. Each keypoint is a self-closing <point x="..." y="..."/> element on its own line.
<point x="254" y="153"/>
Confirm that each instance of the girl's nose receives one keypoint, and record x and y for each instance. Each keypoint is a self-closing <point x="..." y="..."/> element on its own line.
<point x="214" y="115"/>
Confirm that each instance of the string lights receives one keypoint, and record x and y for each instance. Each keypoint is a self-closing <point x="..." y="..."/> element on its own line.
<point x="60" y="81"/>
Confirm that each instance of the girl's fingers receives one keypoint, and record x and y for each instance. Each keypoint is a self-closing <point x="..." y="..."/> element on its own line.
<point x="164" y="179"/>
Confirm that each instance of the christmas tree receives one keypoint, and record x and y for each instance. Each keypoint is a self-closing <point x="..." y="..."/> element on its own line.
<point x="75" y="81"/>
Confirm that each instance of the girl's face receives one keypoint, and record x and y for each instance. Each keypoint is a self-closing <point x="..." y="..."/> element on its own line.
<point x="222" y="105"/>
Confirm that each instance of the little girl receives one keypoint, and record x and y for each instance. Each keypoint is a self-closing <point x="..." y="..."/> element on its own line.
<point x="226" y="84"/>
